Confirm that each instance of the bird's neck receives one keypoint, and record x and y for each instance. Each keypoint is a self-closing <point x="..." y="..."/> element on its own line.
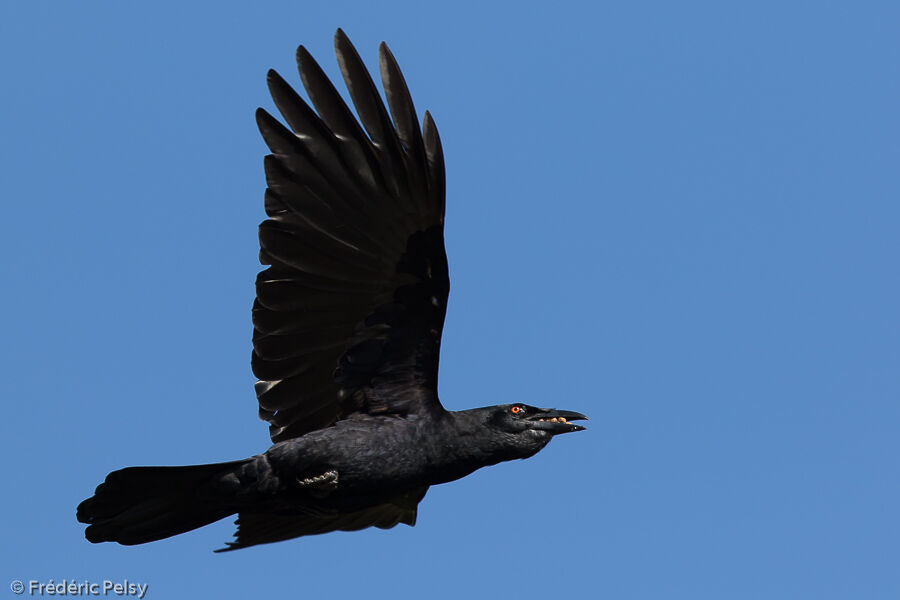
<point x="462" y="444"/>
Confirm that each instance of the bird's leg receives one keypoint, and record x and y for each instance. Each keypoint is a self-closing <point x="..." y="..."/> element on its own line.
<point x="322" y="484"/>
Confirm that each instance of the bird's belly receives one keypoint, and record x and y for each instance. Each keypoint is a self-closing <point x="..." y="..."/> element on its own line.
<point x="367" y="461"/>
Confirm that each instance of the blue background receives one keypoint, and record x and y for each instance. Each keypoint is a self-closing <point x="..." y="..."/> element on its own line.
<point x="680" y="218"/>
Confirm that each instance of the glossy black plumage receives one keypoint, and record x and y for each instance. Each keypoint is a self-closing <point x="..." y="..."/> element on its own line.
<point x="347" y="328"/>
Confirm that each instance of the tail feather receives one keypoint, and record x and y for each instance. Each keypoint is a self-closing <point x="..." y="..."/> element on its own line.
<point x="143" y="504"/>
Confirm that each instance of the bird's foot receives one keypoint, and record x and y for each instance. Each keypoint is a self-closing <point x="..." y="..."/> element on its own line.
<point x="322" y="484"/>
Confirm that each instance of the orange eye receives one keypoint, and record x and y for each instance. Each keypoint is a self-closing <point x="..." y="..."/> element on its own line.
<point x="516" y="410"/>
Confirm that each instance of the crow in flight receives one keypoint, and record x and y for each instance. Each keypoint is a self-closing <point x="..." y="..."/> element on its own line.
<point x="347" y="332"/>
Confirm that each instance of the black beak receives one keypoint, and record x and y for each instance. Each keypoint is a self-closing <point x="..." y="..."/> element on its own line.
<point x="557" y="421"/>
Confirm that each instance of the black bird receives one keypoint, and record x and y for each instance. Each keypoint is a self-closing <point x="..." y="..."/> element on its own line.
<point x="347" y="331"/>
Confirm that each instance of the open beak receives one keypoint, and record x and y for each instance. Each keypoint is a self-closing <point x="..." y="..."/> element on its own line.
<point x="557" y="421"/>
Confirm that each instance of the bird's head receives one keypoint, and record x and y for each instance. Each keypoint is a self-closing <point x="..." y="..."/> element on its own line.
<point x="529" y="428"/>
<point x="519" y="418"/>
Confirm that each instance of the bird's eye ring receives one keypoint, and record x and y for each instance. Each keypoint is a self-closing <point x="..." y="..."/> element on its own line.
<point x="516" y="410"/>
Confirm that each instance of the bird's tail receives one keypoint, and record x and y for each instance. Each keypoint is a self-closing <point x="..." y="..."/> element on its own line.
<point x="143" y="504"/>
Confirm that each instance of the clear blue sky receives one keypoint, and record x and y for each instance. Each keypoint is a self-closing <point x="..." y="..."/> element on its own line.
<point x="681" y="218"/>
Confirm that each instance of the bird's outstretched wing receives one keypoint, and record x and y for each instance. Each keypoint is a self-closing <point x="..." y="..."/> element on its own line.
<point x="348" y="316"/>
